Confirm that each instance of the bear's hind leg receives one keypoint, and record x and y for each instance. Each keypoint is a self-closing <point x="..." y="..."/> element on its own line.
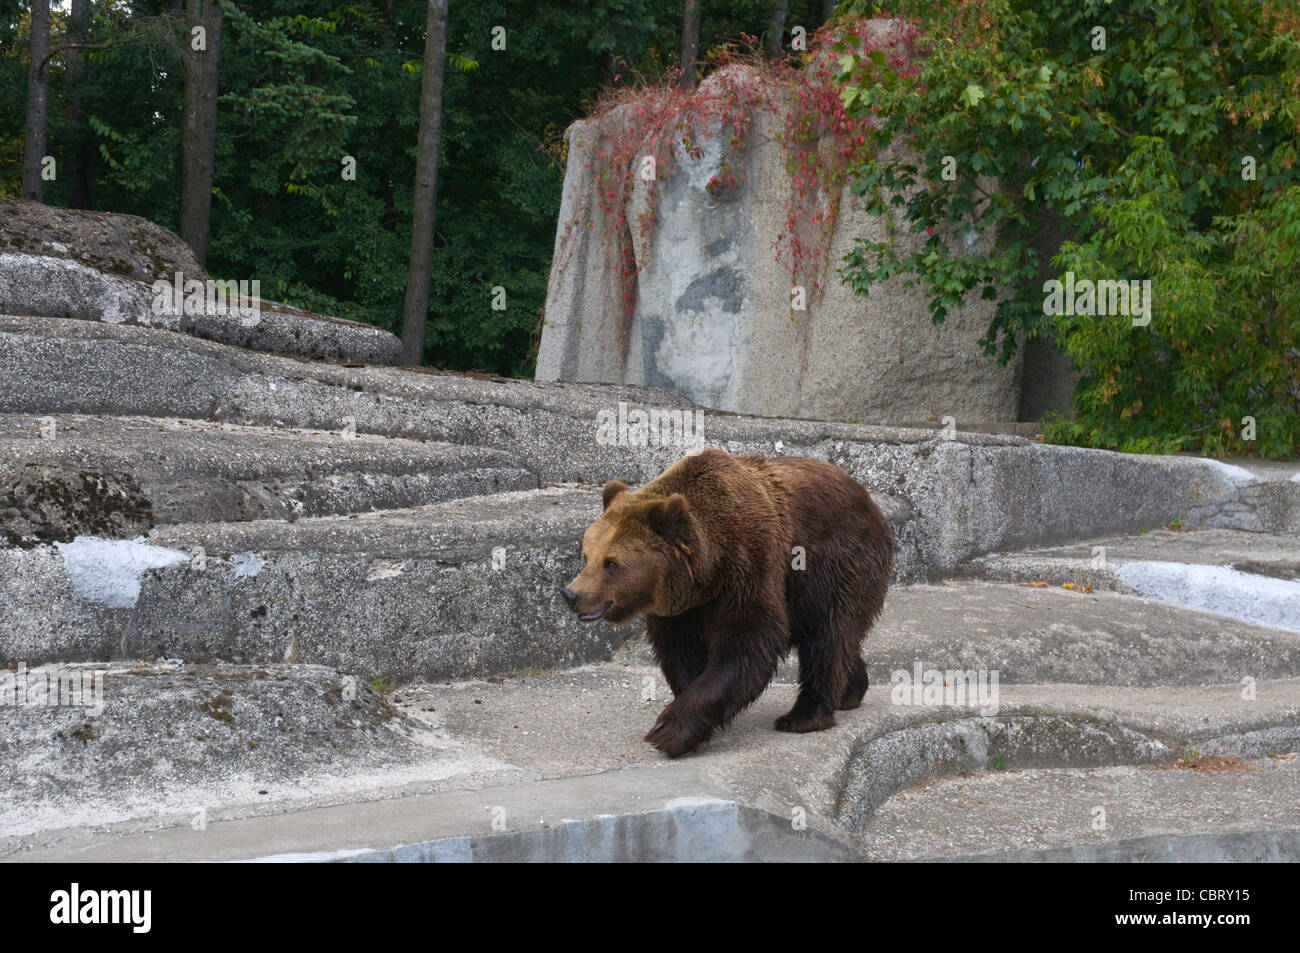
<point x="856" y="687"/>
<point x="823" y="676"/>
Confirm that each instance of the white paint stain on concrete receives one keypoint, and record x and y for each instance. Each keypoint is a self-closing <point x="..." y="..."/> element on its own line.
<point x="1233" y="472"/>
<point x="107" y="571"/>
<point x="1261" y="600"/>
<point x="247" y="565"/>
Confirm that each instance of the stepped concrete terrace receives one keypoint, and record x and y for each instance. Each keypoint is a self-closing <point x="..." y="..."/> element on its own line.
<point x="319" y="603"/>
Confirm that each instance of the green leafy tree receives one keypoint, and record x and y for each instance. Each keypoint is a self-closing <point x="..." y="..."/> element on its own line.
<point x="1121" y="140"/>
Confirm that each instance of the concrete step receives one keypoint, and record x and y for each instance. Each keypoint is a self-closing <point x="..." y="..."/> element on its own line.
<point x="1275" y="554"/>
<point x="204" y="471"/>
<point x="533" y="766"/>
<point x="166" y="742"/>
<point x="949" y="500"/>
<point x="1060" y="636"/>
<point x="641" y="818"/>
<point x="1021" y="428"/>
<point x="58" y="286"/>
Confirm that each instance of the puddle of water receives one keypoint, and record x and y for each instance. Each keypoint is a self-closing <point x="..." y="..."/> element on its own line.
<point x="688" y="830"/>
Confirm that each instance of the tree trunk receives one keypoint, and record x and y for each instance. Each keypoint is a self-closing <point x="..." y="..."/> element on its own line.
<point x="199" y="135"/>
<point x="415" y="311"/>
<point x="387" y="193"/>
<point x="77" y="31"/>
<point x="38" y="102"/>
<point x="776" y="27"/>
<point x="690" y="44"/>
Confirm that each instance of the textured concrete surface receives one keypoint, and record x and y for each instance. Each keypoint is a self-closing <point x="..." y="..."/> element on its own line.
<point x="685" y="830"/>
<point x="456" y="589"/>
<point x="1039" y="809"/>
<point x="1211" y="547"/>
<point x="253" y="567"/>
<point x="1061" y="703"/>
<point x="284" y="329"/>
<point x="49" y="503"/>
<point x="98" y="266"/>
<point x="468" y="587"/>
<point x="1254" y="577"/>
<point x="165" y="741"/>
<point x="57" y="287"/>
<point x="124" y="245"/>
<point x="644" y="816"/>
<point x="62" y="288"/>
<point x="204" y="471"/>
<point x="1256" y="598"/>
<point x="1034" y="635"/>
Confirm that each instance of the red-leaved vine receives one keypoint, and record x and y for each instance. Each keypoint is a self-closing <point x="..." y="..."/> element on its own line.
<point x="820" y="141"/>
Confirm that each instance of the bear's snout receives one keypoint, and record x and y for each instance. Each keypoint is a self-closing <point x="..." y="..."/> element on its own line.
<point x="583" y="605"/>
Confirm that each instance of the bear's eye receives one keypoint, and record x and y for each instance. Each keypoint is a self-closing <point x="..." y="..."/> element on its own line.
<point x="611" y="564"/>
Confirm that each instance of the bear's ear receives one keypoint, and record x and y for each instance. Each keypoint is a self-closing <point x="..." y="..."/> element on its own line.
<point x="668" y="517"/>
<point x="612" y="489"/>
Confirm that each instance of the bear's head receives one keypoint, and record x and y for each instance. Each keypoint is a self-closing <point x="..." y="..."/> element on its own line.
<point x="636" y="558"/>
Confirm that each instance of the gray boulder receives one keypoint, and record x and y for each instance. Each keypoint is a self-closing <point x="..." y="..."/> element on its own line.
<point x="124" y="245"/>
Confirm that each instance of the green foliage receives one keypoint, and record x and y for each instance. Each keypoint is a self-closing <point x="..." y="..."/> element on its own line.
<point x="1117" y="163"/>
<point x="13" y="94"/>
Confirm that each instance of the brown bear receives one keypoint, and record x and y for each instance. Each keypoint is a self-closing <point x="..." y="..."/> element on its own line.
<point x="731" y="559"/>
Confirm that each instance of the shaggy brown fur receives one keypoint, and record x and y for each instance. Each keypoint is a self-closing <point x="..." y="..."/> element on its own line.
<point x="706" y="552"/>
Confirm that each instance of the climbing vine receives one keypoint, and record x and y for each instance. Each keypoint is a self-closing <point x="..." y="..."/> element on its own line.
<point x="644" y="132"/>
<point x="823" y="140"/>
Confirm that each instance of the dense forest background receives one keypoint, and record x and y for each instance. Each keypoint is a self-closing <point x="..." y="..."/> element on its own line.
<point x="305" y="82"/>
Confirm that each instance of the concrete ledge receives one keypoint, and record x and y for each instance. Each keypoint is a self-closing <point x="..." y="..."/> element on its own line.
<point x="203" y="471"/>
<point x="403" y="594"/>
<point x="114" y="742"/>
<point x="1230" y="847"/>
<point x="686" y="831"/>
<point x="878" y="767"/>
<point x="558" y="761"/>
<point x="1253" y="577"/>
<point x="49" y="286"/>
<point x="1236" y="810"/>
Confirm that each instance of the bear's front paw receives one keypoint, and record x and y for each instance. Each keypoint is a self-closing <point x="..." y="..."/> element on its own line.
<point x="801" y="722"/>
<point x="675" y="734"/>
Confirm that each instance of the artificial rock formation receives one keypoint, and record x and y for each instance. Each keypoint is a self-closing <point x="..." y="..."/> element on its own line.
<point x="710" y="304"/>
